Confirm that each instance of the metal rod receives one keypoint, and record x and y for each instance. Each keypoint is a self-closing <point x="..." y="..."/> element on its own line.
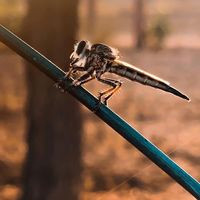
<point x="108" y="116"/>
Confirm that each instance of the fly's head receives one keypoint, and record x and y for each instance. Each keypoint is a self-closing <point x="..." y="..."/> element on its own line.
<point x="105" y="51"/>
<point x="80" y="53"/>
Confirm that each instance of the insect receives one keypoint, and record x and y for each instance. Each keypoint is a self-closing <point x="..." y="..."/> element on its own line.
<point x="94" y="60"/>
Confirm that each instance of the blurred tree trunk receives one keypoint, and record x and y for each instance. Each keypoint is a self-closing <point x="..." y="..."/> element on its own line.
<point x="91" y="17"/>
<point x="140" y="24"/>
<point x="53" y="166"/>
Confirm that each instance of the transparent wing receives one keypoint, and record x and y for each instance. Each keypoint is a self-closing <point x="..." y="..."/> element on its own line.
<point x="135" y="74"/>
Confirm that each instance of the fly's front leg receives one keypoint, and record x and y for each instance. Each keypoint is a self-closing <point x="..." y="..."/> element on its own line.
<point x="88" y="76"/>
<point x="70" y="72"/>
<point x="83" y="79"/>
<point x="74" y="69"/>
<point x="115" y="85"/>
<point x="60" y="84"/>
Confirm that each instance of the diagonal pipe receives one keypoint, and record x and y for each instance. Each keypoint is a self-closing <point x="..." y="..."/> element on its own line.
<point x="103" y="112"/>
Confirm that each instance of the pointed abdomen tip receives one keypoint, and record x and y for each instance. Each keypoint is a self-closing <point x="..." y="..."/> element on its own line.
<point x="186" y="98"/>
<point x="178" y="93"/>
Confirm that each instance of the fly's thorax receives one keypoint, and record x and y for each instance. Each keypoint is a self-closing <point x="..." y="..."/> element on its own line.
<point x="105" y="51"/>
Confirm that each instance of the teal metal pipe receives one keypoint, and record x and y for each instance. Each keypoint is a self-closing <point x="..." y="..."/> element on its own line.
<point x="109" y="117"/>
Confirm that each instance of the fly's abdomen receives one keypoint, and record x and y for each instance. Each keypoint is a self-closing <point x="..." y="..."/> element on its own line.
<point x="135" y="74"/>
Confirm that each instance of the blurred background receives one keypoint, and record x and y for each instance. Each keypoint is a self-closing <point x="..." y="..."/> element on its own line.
<point x="51" y="147"/>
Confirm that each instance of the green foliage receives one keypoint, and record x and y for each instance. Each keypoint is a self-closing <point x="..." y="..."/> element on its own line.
<point x="157" y="32"/>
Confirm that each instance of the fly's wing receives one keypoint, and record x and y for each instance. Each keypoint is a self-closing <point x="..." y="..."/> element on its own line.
<point x="135" y="74"/>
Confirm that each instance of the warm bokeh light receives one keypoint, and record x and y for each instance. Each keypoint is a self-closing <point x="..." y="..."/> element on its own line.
<point x="113" y="169"/>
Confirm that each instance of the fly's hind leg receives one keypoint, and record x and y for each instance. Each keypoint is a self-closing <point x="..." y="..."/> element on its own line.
<point x="118" y="85"/>
<point x="115" y="85"/>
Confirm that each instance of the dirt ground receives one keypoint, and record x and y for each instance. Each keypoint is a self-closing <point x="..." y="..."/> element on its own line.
<point x="169" y="122"/>
<point x="113" y="168"/>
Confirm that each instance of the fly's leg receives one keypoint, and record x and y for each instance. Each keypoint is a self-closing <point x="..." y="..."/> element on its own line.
<point x="118" y="85"/>
<point x="72" y="70"/>
<point x="60" y="84"/>
<point x="115" y="85"/>
<point x="88" y="76"/>
<point x="83" y="79"/>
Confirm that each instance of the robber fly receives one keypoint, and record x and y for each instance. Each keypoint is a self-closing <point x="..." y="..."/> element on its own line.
<point x="94" y="60"/>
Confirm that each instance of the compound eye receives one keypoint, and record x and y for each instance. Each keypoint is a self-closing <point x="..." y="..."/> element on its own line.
<point x="80" y="47"/>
